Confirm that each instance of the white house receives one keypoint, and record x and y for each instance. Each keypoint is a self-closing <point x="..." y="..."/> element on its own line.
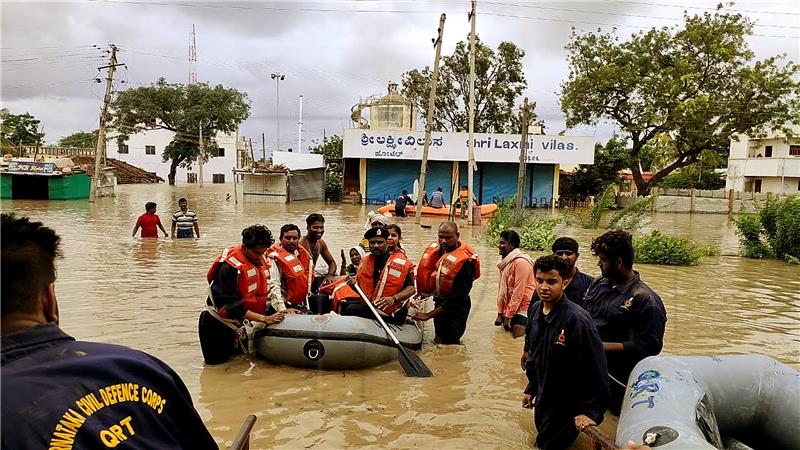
<point x="145" y="149"/>
<point x="768" y="164"/>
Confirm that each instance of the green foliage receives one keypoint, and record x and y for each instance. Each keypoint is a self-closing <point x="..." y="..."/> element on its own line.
<point x="81" y="139"/>
<point x="181" y="109"/>
<point x="679" y="91"/>
<point x="632" y="216"/>
<point x="603" y="204"/>
<point x="16" y="129"/>
<point x="501" y="81"/>
<point x="592" y="179"/>
<point x="773" y="232"/>
<point x="331" y="150"/>
<point x="535" y="232"/>
<point x="664" y="249"/>
<point x="692" y="177"/>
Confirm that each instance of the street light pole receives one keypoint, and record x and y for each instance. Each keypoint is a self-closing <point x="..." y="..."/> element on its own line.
<point x="278" y="77"/>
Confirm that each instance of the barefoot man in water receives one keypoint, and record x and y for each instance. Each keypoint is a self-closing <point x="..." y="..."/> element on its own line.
<point x="312" y="241"/>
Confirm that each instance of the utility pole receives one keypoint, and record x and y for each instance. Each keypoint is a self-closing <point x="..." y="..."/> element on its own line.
<point x="471" y="140"/>
<point x="300" y="128"/>
<point x="201" y="154"/>
<point x="423" y="171"/>
<point x="264" y="148"/>
<point x="100" y="149"/>
<point x="278" y="77"/>
<point x="525" y="118"/>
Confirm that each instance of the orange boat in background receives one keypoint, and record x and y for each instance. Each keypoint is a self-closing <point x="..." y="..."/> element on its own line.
<point x="486" y="210"/>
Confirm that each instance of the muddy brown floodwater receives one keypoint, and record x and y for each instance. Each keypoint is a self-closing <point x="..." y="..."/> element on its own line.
<point x="147" y="294"/>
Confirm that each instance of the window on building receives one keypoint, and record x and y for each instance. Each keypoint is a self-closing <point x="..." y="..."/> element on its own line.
<point x="218" y="178"/>
<point x="191" y="177"/>
<point x="122" y="148"/>
<point x="220" y="152"/>
<point x="794" y="150"/>
<point x="757" y="188"/>
<point x="149" y="149"/>
<point x="768" y="151"/>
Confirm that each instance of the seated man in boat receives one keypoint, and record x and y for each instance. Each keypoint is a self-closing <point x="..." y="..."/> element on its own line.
<point x="291" y="271"/>
<point x="629" y="316"/>
<point x="239" y="284"/>
<point x="446" y="271"/>
<point x="325" y="268"/>
<point x="386" y="279"/>
<point x="437" y="199"/>
<point x="566" y="367"/>
<point x="61" y="393"/>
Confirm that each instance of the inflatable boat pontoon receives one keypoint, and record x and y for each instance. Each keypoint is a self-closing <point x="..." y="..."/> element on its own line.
<point x="331" y="342"/>
<point x="707" y="402"/>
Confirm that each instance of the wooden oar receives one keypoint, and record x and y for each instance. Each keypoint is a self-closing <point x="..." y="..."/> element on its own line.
<point x="411" y="363"/>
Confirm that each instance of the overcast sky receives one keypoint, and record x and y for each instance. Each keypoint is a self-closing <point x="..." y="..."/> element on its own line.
<point x="332" y="52"/>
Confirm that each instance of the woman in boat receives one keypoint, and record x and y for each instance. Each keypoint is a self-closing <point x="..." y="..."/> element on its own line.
<point x="393" y="240"/>
<point x="356" y="253"/>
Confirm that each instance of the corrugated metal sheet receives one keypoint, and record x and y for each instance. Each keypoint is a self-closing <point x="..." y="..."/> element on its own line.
<point x="306" y="184"/>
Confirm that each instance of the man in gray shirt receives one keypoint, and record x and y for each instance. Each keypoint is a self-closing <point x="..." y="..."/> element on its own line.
<point x="437" y="199"/>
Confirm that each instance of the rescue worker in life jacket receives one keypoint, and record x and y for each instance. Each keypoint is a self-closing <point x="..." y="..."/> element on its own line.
<point x="385" y="278"/>
<point x="239" y="283"/>
<point x="446" y="271"/>
<point x="291" y="271"/>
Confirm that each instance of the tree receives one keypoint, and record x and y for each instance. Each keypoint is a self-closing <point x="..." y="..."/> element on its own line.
<point x="331" y="150"/>
<point x="81" y="139"/>
<point x="18" y="129"/>
<point x="693" y="89"/>
<point x="180" y="109"/>
<point x="592" y="179"/>
<point x="499" y="81"/>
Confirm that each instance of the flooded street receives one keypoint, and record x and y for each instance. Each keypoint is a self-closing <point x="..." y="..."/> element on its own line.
<point x="147" y="294"/>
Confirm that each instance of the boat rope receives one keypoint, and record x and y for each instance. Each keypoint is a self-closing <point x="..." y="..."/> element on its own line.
<point x="617" y="381"/>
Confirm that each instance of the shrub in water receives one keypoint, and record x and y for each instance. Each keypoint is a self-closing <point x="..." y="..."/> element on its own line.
<point x="536" y="233"/>
<point x="773" y="232"/>
<point x="664" y="249"/>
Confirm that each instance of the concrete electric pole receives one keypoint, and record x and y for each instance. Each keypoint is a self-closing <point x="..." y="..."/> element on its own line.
<point x="471" y="140"/>
<point x="278" y="77"/>
<point x="100" y="149"/>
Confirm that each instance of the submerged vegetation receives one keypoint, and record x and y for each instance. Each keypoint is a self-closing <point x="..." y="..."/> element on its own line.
<point x="773" y="231"/>
<point x="535" y="232"/>
<point x="664" y="249"/>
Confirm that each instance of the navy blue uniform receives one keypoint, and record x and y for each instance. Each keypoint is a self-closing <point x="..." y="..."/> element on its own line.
<point x="566" y="371"/>
<point x="451" y="324"/>
<point x="62" y="394"/>
<point x="632" y="314"/>
<point x="577" y="287"/>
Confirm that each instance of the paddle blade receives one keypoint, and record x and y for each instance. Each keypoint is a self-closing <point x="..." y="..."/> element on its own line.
<point x="411" y="363"/>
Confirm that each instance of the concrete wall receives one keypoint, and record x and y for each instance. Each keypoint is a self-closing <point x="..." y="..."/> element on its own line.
<point x="697" y="201"/>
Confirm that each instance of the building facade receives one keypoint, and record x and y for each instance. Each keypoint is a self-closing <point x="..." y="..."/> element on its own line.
<point x="761" y="165"/>
<point x="144" y="150"/>
<point x="379" y="164"/>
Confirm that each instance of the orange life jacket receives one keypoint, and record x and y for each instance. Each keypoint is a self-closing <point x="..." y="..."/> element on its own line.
<point x="390" y="281"/>
<point x="252" y="280"/>
<point x="339" y="292"/>
<point x="297" y="272"/>
<point x="435" y="274"/>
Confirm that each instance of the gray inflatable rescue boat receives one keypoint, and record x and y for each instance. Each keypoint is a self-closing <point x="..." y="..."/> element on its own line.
<point x="706" y="402"/>
<point x="331" y="342"/>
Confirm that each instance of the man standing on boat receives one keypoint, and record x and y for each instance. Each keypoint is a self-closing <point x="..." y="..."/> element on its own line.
<point x="386" y="279"/>
<point x="516" y="284"/>
<point x="291" y="272"/>
<point x="61" y="393"/>
<point x="578" y="282"/>
<point x="446" y="271"/>
<point x="325" y="269"/>
<point x="184" y="222"/>
<point x="239" y="285"/>
<point x="566" y="366"/>
<point x="629" y="316"/>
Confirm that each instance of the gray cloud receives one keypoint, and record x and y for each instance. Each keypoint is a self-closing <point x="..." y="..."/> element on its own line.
<point x="332" y="53"/>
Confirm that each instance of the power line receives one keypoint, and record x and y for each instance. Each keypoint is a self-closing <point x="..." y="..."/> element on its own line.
<point x="666" y="5"/>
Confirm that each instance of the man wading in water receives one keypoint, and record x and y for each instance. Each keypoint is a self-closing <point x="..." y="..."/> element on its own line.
<point x="312" y="241"/>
